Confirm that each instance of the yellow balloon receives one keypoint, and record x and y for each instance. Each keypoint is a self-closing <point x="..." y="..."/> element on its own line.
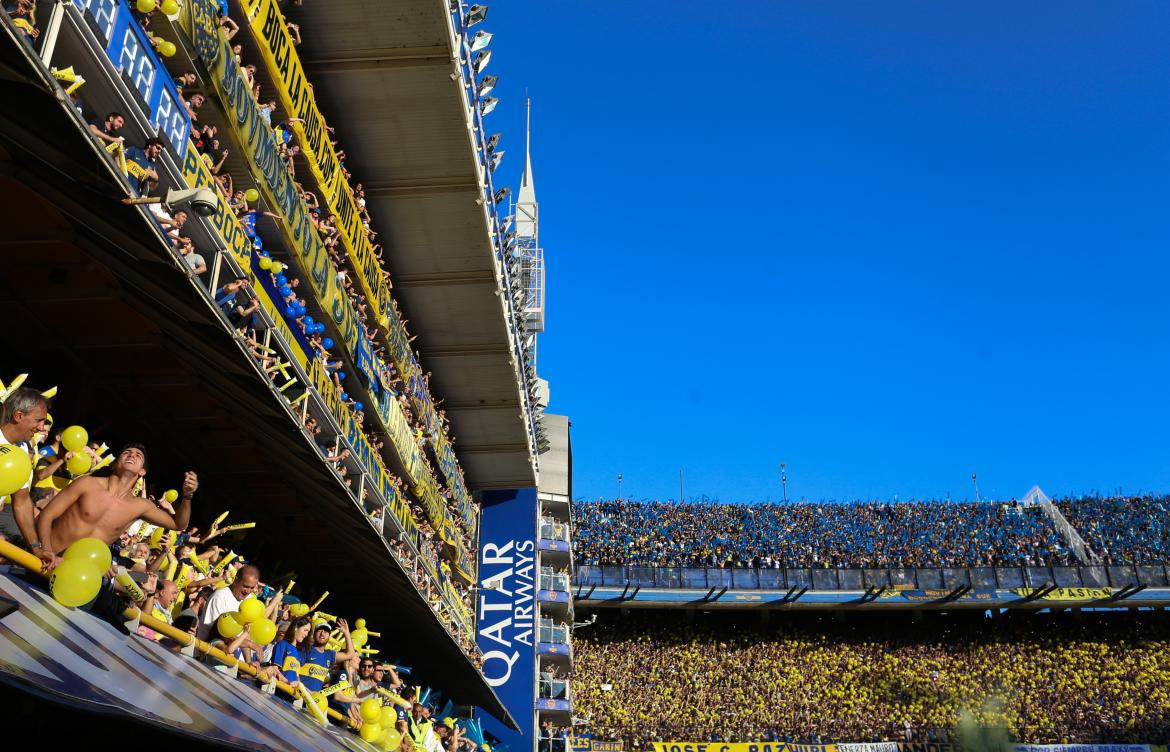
<point x="74" y="438"/>
<point x="156" y="537"/>
<point x="171" y="495"/>
<point x="90" y="550"/>
<point x="390" y="740"/>
<point x="370" y="732"/>
<point x="79" y="463"/>
<point x="298" y="610"/>
<point x="359" y="637"/>
<point x="262" y="631"/>
<point x="167" y="49"/>
<point x="75" y="582"/>
<point x="145" y="6"/>
<point x="322" y="702"/>
<point x="251" y="610"/>
<point x="359" y="624"/>
<point x="15" y="468"/>
<point x="371" y="709"/>
<point x="265" y="263"/>
<point x="388" y="717"/>
<point x="169" y="7"/>
<point x="277" y="267"/>
<point x="252" y="195"/>
<point x="229" y="625"/>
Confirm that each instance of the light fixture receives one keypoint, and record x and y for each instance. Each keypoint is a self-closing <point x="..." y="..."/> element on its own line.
<point x="475" y="15"/>
<point x="480" y="40"/>
<point x="487" y="105"/>
<point x="497" y="157"/>
<point x="507" y="223"/>
<point x="487" y="84"/>
<point x="502" y="194"/>
<point x="492" y="141"/>
<point x="480" y="60"/>
<point x="510" y="236"/>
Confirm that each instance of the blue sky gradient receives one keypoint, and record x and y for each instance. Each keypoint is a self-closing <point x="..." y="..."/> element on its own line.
<point x="887" y="244"/>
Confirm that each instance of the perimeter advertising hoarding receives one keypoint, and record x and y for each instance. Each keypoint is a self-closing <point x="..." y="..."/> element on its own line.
<point x="506" y="609"/>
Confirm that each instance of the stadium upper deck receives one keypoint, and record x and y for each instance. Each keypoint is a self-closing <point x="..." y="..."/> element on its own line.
<point x="133" y="307"/>
<point x="402" y="79"/>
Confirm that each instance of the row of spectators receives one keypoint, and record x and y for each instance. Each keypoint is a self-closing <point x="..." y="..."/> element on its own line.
<point x="824" y="535"/>
<point x="665" y="677"/>
<point x="141" y="161"/>
<point x="189" y="578"/>
<point x="1122" y="529"/>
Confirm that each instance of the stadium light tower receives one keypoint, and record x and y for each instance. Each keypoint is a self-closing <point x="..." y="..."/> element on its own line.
<point x="619" y="486"/>
<point x="975" y="483"/>
<point x="784" y="482"/>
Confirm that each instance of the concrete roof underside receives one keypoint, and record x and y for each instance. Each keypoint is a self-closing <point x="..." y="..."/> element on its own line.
<point x="382" y="77"/>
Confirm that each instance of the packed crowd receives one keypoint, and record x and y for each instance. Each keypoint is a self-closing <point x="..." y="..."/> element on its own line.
<point x="804" y="534"/>
<point x="140" y="162"/>
<point x="189" y="579"/>
<point x="1121" y="529"/>
<point x="661" y="677"/>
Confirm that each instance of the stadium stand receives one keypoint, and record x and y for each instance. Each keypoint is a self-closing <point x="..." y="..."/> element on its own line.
<point x="1122" y="530"/>
<point x="664" y="676"/>
<point x="846" y="535"/>
<point x="240" y="256"/>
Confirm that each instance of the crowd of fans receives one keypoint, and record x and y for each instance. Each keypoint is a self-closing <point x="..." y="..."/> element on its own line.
<point x="189" y="578"/>
<point x="140" y="163"/>
<point x="1122" y="529"/>
<point x="805" y="534"/>
<point x="659" y="676"/>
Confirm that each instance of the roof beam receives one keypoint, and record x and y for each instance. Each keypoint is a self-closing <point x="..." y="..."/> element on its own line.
<point x="443" y="279"/>
<point x="420" y="188"/>
<point x="380" y="59"/>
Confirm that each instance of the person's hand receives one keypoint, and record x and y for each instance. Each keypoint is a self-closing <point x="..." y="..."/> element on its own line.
<point x="49" y="560"/>
<point x="190" y="484"/>
<point x="344" y="625"/>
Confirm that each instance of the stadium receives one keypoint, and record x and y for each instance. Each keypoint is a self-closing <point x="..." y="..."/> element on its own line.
<point x="277" y="469"/>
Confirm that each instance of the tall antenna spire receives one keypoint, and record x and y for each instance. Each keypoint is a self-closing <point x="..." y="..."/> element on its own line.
<point x="526" y="222"/>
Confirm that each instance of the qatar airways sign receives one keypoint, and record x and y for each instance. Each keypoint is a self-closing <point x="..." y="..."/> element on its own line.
<point x="506" y="609"/>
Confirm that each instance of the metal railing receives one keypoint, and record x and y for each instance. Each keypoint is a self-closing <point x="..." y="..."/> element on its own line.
<point x="554" y="689"/>
<point x="921" y="578"/>
<point x="551" y="530"/>
<point x="550" y="632"/>
<point x="550" y="581"/>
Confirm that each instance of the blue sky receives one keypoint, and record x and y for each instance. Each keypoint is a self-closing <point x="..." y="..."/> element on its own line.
<point x="889" y="244"/>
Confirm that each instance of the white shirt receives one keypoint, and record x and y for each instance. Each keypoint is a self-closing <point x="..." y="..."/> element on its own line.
<point x="28" y="483"/>
<point x="222" y="601"/>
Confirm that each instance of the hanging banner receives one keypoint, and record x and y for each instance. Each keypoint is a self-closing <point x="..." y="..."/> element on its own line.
<point x="1068" y="593"/>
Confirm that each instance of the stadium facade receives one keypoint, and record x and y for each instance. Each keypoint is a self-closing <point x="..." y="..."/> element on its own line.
<point x="328" y="423"/>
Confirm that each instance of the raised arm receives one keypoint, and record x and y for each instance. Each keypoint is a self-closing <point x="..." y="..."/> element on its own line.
<point x="350" y="652"/>
<point x="182" y="516"/>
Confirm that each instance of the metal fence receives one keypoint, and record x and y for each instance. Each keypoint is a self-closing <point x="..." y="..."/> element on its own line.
<point x="552" y="632"/>
<point x="921" y="578"/>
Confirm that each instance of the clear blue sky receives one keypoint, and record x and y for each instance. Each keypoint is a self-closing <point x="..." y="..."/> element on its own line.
<point x="888" y="244"/>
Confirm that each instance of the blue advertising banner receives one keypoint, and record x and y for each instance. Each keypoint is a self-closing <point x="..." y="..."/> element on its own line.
<point x="506" y="610"/>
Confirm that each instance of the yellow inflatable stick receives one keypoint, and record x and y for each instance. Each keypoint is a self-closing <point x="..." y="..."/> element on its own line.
<point x="240" y="526"/>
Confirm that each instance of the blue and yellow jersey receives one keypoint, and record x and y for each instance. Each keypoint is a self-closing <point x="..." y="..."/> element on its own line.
<point x="289" y="659"/>
<point x="316" y="667"/>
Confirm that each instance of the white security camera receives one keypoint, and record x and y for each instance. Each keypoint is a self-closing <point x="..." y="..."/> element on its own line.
<point x="203" y="201"/>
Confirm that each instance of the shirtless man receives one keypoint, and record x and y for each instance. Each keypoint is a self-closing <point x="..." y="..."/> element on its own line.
<point x="103" y="508"/>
